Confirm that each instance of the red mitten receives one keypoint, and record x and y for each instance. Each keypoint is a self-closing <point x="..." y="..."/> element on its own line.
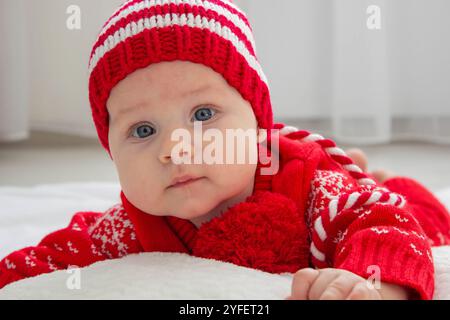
<point x="266" y="232"/>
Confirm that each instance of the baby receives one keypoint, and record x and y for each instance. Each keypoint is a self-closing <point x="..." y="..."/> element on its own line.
<point x="158" y="67"/>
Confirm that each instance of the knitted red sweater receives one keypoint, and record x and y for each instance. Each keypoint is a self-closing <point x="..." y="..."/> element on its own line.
<point x="282" y="227"/>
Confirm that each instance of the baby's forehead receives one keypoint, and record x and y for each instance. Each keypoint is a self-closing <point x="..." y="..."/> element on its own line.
<point x="163" y="99"/>
<point x="157" y="84"/>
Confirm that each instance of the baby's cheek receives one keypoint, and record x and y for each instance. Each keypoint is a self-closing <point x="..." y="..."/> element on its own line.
<point x="235" y="177"/>
<point x="143" y="191"/>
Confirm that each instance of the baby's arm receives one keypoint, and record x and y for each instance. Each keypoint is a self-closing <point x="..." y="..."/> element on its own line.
<point x="90" y="237"/>
<point x="377" y="240"/>
<point x="71" y="246"/>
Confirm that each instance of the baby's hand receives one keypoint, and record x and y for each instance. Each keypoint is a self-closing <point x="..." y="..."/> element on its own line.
<point x="338" y="284"/>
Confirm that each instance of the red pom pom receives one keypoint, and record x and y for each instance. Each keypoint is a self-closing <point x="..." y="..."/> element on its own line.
<point x="266" y="232"/>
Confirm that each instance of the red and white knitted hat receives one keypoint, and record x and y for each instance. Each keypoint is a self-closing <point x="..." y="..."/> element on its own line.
<point x="215" y="33"/>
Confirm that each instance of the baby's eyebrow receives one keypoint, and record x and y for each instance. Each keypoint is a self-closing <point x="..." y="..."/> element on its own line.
<point x="193" y="92"/>
<point x="198" y="90"/>
<point x="129" y="109"/>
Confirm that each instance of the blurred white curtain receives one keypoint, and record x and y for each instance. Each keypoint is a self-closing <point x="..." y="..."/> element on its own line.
<point x="329" y="72"/>
<point x="59" y="64"/>
<point x="14" y="79"/>
<point x="44" y="65"/>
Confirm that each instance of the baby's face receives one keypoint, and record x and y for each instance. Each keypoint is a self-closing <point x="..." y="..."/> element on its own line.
<point x="160" y="99"/>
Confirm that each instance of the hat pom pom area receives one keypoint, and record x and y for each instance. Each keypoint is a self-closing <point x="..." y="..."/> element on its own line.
<point x="265" y="232"/>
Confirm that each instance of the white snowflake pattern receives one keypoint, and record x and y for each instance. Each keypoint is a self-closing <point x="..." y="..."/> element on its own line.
<point x="399" y="218"/>
<point x="420" y="253"/>
<point x="111" y="229"/>
<point x="71" y="247"/>
<point x="76" y="227"/>
<point x="325" y="186"/>
<point x="9" y="265"/>
<point x="50" y="264"/>
<point x="379" y="231"/>
<point x="94" y="250"/>
<point x="340" y="236"/>
<point x="418" y="235"/>
<point x="365" y="213"/>
<point x="32" y="254"/>
<point x="29" y="262"/>
<point x="406" y="233"/>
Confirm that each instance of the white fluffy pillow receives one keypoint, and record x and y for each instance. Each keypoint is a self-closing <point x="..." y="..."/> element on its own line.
<point x="175" y="276"/>
<point x="153" y="276"/>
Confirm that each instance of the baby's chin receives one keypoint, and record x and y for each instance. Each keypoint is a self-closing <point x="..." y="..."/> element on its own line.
<point x="192" y="214"/>
<point x="185" y="207"/>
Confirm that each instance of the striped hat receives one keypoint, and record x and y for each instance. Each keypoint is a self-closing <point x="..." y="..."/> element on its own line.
<point x="215" y="33"/>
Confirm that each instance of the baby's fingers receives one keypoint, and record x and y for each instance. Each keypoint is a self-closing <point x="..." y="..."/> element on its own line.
<point x="361" y="291"/>
<point x="301" y="283"/>
<point x="339" y="288"/>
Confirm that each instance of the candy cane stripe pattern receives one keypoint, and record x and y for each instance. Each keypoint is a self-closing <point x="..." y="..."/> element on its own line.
<point x="345" y="201"/>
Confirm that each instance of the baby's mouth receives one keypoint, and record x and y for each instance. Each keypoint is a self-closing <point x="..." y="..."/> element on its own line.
<point x="184" y="181"/>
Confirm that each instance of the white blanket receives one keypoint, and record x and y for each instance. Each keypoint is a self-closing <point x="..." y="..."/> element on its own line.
<point x="29" y="213"/>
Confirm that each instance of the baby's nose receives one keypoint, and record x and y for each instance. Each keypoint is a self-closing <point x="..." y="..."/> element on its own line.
<point x="175" y="151"/>
<point x="168" y="157"/>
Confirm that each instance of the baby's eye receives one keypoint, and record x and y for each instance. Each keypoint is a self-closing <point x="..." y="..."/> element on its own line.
<point x="203" y="114"/>
<point x="143" y="131"/>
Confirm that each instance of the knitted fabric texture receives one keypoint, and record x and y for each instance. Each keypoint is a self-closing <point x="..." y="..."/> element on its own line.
<point x="215" y="33"/>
